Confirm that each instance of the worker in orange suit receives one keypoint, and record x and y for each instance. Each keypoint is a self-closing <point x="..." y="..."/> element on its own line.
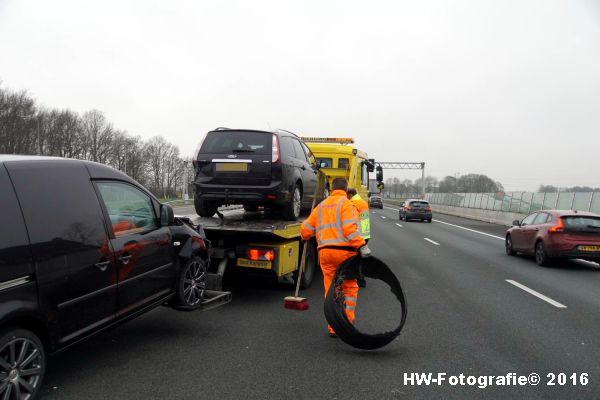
<point x="335" y="223"/>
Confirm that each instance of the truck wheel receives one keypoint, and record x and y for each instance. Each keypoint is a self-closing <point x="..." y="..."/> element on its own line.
<point x="23" y="364"/>
<point x="205" y="208"/>
<point x="311" y="267"/>
<point x="191" y="285"/>
<point x="291" y="210"/>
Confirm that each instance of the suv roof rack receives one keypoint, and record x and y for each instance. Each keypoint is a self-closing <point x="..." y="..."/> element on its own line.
<point x="283" y="130"/>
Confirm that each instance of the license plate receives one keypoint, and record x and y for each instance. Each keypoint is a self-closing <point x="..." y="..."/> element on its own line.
<point x="244" y="262"/>
<point x="232" y="167"/>
<point x="588" y="248"/>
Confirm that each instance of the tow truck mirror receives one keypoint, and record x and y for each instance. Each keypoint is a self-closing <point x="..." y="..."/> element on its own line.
<point x="371" y="165"/>
<point x="379" y="174"/>
<point x="516" y="222"/>
<point x="167" y="216"/>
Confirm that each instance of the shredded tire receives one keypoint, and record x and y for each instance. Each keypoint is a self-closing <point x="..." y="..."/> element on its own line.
<point x="352" y="268"/>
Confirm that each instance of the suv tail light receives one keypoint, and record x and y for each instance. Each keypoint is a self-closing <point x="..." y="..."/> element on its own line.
<point x="275" y="157"/>
<point x="558" y="228"/>
<point x="260" y="255"/>
<point x="408" y="208"/>
<point x="428" y="208"/>
<point x="197" y="152"/>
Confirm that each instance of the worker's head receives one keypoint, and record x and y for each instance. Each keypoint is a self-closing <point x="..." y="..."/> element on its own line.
<point x="351" y="193"/>
<point x="339" y="184"/>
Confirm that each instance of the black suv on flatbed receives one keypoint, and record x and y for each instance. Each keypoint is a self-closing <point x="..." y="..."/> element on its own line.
<point x="83" y="247"/>
<point x="254" y="168"/>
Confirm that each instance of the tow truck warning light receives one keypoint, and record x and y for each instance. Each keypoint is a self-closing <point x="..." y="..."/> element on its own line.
<point x="327" y="140"/>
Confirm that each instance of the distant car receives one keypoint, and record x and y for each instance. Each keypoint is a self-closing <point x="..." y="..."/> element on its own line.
<point x="551" y="234"/>
<point x="83" y="248"/>
<point x="254" y="168"/>
<point x="375" y="202"/>
<point x="415" y="209"/>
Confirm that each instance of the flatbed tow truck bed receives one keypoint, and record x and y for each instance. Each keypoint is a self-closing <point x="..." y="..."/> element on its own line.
<point x="255" y="242"/>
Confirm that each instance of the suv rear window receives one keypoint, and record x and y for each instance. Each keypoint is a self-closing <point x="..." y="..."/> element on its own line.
<point x="583" y="223"/>
<point x="228" y="142"/>
<point x="419" y="203"/>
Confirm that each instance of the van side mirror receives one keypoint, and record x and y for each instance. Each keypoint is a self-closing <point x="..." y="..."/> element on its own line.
<point x="167" y="215"/>
<point x="516" y="222"/>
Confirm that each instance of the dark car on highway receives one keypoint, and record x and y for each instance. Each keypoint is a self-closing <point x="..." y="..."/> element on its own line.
<point x="254" y="168"/>
<point x="415" y="209"/>
<point x="375" y="202"/>
<point x="83" y="247"/>
<point x="552" y="234"/>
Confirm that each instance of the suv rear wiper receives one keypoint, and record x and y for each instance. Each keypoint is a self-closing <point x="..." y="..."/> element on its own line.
<point x="242" y="151"/>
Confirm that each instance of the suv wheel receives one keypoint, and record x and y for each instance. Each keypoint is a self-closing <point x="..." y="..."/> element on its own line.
<point x="291" y="211"/>
<point x="191" y="286"/>
<point x="205" y="208"/>
<point x="22" y="364"/>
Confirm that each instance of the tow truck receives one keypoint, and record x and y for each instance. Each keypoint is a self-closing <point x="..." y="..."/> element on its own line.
<point x="338" y="158"/>
<point x="264" y="243"/>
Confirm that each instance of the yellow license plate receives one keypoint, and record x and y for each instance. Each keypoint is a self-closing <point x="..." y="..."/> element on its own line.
<point x="244" y="262"/>
<point x="232" y="167"/>
<point x="589" y="248"/>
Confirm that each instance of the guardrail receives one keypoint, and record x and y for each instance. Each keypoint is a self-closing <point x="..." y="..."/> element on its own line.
<point x="519" y="202"/>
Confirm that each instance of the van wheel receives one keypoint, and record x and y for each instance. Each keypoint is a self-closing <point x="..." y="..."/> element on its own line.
<point x="22" y="364"/>
<point x="205" y="208"/>
<point x="291" y="210"/>
<point x="191" y="286"/>
<point x="311" y="267"/>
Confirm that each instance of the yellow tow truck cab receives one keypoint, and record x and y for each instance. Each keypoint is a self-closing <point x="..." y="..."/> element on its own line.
<point x="338" y="158"/>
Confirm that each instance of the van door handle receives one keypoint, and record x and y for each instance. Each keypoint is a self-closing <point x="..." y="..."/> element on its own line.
<point x="125" y="258"/>
<point x="102" y="266"/>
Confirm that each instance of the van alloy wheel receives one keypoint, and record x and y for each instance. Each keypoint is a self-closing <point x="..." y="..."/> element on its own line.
<point x="21" y="367"/>
<point x="194" y="283"/>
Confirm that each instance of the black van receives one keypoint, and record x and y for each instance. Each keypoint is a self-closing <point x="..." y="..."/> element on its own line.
<point x="82" y="248"/>
<point x="254" y="168"/>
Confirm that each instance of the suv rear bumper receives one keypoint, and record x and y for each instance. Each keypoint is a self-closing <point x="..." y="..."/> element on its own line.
<point x="243" y="194"/>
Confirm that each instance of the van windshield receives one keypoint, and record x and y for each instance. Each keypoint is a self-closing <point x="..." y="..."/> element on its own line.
<point x="228" y="142"/>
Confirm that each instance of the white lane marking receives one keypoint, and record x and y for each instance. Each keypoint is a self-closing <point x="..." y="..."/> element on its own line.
<point x="469" y="229"/>
<point x="431" y="241"/>
<point x="536" y="294"/>
<point x="390" y="208"/>
<point x="383" y="217"/>
<point x="399" y="225"/>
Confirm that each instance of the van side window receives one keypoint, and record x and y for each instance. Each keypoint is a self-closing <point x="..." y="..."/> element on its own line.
<point x="61" y="209"/>
<point x="15" y="257"/>
<point x="129" y="209"/>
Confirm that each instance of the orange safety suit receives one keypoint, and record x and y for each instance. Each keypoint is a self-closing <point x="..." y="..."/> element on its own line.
<point x="335" y="223"/>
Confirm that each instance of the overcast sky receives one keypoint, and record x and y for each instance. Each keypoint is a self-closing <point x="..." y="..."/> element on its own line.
<point x="510" y="89"/>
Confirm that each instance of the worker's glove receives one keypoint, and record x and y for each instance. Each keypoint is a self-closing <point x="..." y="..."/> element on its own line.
<point x="365" y="251"/>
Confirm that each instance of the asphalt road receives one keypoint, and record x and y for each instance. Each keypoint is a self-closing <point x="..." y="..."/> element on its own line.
<point x="464" y="317"/>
